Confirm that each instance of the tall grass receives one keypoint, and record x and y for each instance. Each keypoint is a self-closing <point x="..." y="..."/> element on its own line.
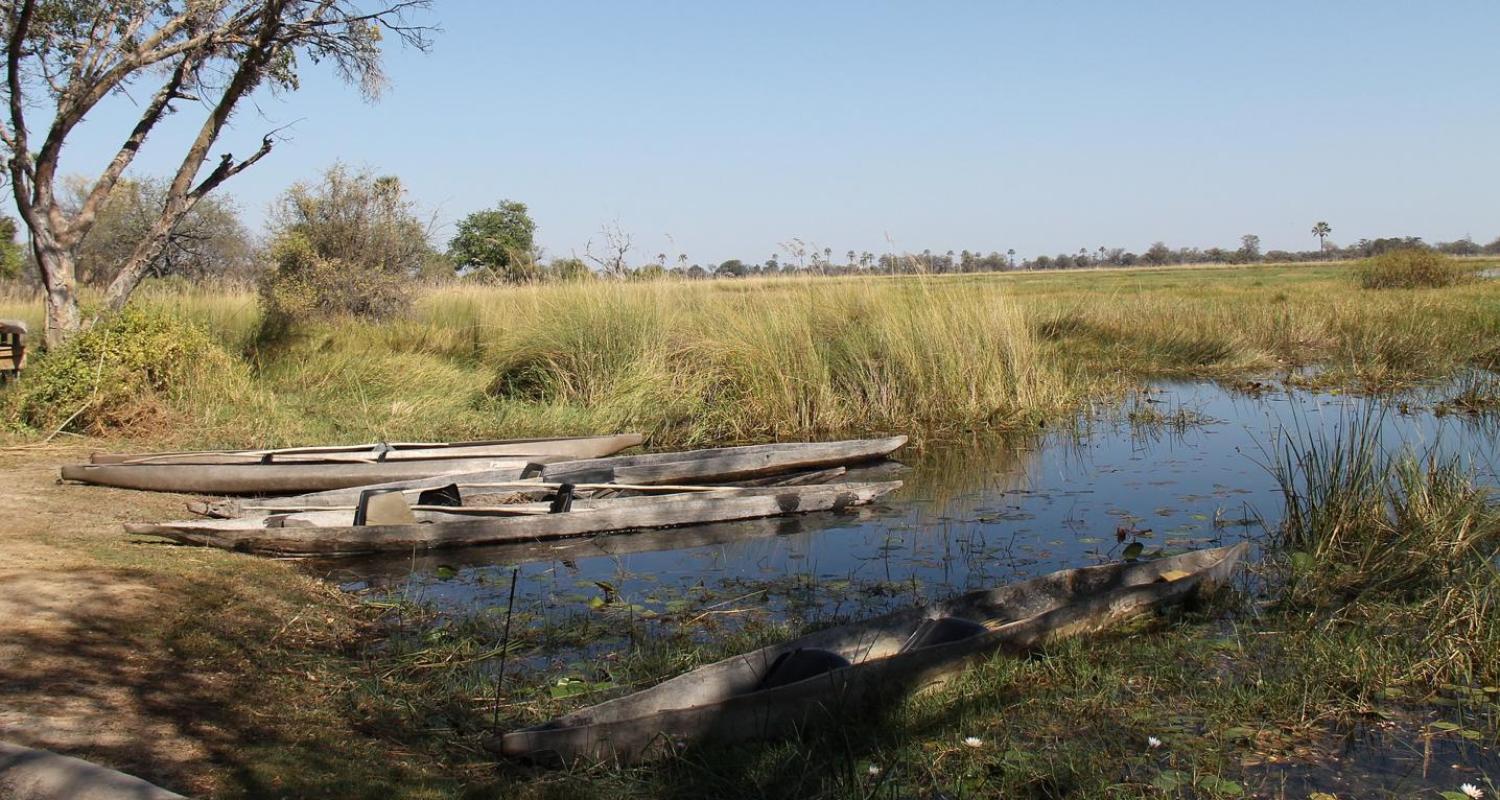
<point x="718" y="361"/>
<point x="1394" y="539"/>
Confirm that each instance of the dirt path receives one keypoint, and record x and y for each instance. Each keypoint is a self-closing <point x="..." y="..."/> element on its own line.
<point x="157" y="660"/>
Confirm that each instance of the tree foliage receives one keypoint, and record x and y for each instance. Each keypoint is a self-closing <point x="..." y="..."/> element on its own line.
<point x="210" y="242"/>
<point x="350" y="244"/>
<point x="63" y="57"/>
<point x="499" y="240"/>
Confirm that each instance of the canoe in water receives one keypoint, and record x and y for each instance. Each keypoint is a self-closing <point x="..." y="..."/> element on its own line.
<point x="575" y="447"/>
<point x="840" y="674"/>
<point x="331" y="532"/>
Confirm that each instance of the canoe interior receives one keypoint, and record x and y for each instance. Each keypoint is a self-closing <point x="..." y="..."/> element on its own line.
<point x="727" y="700"/>
<point x="575" y="447"/>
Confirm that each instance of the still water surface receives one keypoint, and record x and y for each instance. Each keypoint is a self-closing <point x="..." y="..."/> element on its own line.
<point x="970" y="515"/>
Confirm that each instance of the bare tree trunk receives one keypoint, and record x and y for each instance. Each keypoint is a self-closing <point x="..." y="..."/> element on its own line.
<point x="60" y="284"/>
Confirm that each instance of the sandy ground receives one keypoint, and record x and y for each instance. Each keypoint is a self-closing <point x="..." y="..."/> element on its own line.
<point x="83" y="670"/>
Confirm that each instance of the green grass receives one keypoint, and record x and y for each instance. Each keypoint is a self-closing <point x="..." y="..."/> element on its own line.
<point x="749" y="360"/>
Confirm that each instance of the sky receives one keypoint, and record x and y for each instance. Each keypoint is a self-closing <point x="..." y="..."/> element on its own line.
<point x="721" y="130"/>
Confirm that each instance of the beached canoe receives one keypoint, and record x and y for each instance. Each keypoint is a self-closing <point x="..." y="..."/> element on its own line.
<point x="720" y="464"/>
<point x="573" y="447"/>
<point x="277" y="478"/>
<point x="330" y="532"/>
<point x="742" y="465"/>
<point x="845" y="673"/>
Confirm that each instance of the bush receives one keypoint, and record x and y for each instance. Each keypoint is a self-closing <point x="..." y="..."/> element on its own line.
<point x="1412" y="268"/>
<point x="305" y="284"/>
<point x="115" y="374"/>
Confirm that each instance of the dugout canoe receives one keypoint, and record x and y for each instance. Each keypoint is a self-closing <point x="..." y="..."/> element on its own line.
<point x="285" y="478"/>
<point x="329" y="532"/>
<point x="572" y="448"/>
<point x="718" y="465"/>
<point x="842" y="674"/>
<point x="393" y="569"/>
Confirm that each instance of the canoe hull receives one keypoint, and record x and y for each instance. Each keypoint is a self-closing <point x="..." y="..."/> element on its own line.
<point x="635" y="727"/>
<point x="632" y="513"/>
<point x="576" y="447"/>
<point x="280" y="478"/>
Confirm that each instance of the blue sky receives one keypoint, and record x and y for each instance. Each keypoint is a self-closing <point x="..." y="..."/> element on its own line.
<point x="1046" y="126"/>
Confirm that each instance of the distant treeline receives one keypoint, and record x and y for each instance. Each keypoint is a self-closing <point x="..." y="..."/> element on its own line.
<point x="966" y="261"/>
<point x="352" y="227"/>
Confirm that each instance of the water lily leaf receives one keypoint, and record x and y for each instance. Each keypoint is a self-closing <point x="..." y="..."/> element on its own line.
<point x="1301" y="561"/>
<point x="1221" y="786"/>
<point x="1133" y="551"/>
<point x="1169" y="780"/>
<point x="1452" y="795"/>
<point x="445" y="572"/>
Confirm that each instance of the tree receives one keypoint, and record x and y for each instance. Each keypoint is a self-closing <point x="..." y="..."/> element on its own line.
<point x="1321" y="230"/>
<point x="499" y="239"/>
<point x="63" y="57"/>
<point x="1249" y="248"/>
<point x="617" y="243"/>
<point x="349" y="244"/>
<point x="11" y="260"/>
<point x="1157" y="254"/>
<point x="209" y="241"/>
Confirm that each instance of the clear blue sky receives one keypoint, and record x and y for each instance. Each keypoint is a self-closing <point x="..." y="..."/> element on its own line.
<point x="1043" y="126"/>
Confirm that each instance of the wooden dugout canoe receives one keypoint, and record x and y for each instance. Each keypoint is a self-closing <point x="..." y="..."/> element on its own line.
<point x="328" y="533"/>
<point x="718" y="465"/>
<point x="721" y="463"/>
<point x="741" y="698"/>
<point x="282" y="478"/>
<point x="472" y="483"/>
<point x="574" y="447"/>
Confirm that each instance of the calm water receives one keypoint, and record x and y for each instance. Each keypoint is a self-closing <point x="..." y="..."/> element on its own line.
<point x="970" y="515"/>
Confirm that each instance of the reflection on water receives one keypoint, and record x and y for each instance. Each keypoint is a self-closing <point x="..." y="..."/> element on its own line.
<point x="971" y="515"/>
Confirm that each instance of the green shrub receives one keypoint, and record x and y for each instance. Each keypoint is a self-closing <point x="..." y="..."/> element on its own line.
<point x="305" y="284"/>
<point x="1412" y="268"/>
<point x="117" y="373"/>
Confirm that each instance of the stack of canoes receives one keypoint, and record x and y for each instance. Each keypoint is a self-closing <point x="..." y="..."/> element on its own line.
<point x="370" y="499"/>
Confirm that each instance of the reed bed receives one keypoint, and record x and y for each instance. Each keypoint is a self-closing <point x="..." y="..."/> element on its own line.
<point x="691" y="362"/>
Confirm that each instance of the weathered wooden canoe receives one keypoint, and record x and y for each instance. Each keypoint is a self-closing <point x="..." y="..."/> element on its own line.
<point x="397" y="568"/>
<point x="285" y="478"/>
<point x="575" y="447"/>
<point x="478" y="482"/>
<point x="720" y="464"/>
<point x="845" y="672"/>
<point x="327" y="533"/>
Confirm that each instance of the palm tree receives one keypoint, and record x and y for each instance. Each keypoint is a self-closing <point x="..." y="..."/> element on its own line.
<point x="1321" y="230"/>
<point x="1012" y="254"/>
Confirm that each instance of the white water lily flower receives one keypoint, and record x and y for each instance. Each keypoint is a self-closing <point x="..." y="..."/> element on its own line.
<point x="1153" y="742"/>
<point x="1472" y="791"/>
<point x="973" y="741"/>
<point x="874" y="770"/>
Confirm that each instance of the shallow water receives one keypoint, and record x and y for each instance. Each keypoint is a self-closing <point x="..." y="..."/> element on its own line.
<point x="1189" y="471"/>
<point x="971" y="515"/>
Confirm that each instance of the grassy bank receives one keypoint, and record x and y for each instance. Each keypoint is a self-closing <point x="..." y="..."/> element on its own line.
<point x="720" y="361"/>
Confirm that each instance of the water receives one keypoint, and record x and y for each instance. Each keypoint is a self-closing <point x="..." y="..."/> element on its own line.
<point x="1189" y="471"/>
<point x="971" y="515"/>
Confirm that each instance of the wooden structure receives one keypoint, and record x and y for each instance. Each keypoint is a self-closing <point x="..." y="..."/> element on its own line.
<point x="12" y="347"/>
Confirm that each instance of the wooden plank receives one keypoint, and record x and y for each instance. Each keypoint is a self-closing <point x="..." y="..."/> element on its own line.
<point x="614" y="515"/>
